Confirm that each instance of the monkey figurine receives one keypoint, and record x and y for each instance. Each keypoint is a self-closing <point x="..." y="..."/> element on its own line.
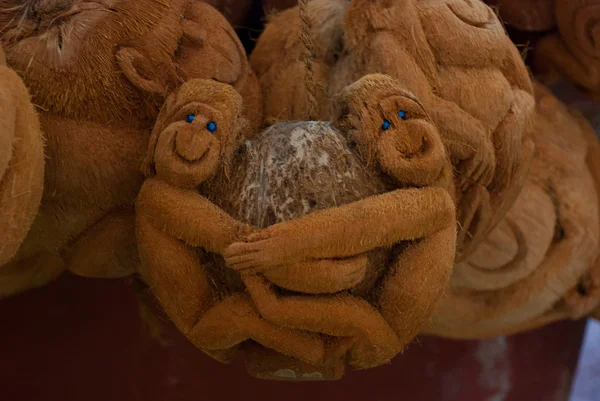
<point x="192" y="145"/>
<point x="480" y="99"/>
<point x="394" y="135"/>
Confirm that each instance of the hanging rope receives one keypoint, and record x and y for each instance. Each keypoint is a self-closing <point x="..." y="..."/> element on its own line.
<point x="309" y="74"/>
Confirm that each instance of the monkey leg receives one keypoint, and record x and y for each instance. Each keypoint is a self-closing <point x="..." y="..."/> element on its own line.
<point x="416" y="282"/>
<point x="21" y="164"/>
<point x="320" y="276"/>
<point x="106" y="250"/>
<point x="183" y="288"/>
<point x="372" y="340"/>
<point x="177" y="212"/>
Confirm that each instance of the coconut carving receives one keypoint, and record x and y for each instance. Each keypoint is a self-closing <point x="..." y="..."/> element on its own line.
<point x="526" y="15"/>
<point x="454" y="55"/>
<point x="568" y="38"/>
<point x="353" y="228"/>
<point x="99" y="73"/>
<point x="424" y="46"/>
<point x="541" y="264"/>
<point x="573" y="51"/>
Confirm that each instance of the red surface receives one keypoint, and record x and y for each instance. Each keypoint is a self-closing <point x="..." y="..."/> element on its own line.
<point x="81" y="340"/>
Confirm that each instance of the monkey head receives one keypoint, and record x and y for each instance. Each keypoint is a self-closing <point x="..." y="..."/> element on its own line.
<point x="390" y="128"/>
<point x="196" y="134"/>
<point x="73" y="53"/>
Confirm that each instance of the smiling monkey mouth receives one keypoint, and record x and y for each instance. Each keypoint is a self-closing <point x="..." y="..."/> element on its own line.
<point x="186" y="160"/>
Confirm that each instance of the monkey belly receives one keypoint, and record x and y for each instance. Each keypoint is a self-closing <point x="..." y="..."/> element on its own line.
<point x="294" y="168"/>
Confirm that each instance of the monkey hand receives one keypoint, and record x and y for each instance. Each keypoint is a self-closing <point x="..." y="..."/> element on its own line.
<point x="272" y="247"/>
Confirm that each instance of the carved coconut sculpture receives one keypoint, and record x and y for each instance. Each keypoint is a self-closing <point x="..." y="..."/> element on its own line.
<point x="457" y="58"/>
<point x="568" y="38"/>
<point x="480" y="99"/>
<point x="338" y="238"/>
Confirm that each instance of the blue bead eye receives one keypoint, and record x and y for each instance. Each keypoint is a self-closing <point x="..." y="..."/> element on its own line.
<point x="386" y="125"/>
<point x="211" y="127"/>
<point x="190" y="118"/>
<point x="402" y="114"/>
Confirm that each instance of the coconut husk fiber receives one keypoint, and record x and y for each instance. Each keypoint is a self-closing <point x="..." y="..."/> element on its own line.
<point x="526" y="15"/>
<point x="541" y="264"/>
<point x="21" y="172"/>
<point x="98" y="77"/>
<point x="455" y="56"/>
<point x="572" y="51"/>
<point x="321" y="245"/>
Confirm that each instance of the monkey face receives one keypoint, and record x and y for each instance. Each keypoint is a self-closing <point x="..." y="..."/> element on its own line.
<point x="390" y="128"/>
<point x="66" y="51"/>
<point x="197" y="132"/>
<point x="188" y="150"/>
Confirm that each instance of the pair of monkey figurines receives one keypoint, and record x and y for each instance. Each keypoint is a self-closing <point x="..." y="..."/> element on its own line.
<point x="98" y="74"/>
<point x="290" y="285"/>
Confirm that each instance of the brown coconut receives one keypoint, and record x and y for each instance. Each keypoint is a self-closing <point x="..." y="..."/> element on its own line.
<point x="292" y="169"/>
<point x="287" y="171"/>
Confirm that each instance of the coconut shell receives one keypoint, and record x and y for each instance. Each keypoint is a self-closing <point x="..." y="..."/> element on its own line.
<point x="289" y="170"/>
<point x="292" y="169"/>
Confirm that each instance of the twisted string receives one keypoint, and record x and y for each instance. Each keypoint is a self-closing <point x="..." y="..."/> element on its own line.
<point x="309" y="54"/>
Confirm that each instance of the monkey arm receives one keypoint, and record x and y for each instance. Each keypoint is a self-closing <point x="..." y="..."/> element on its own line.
<point x="351" y="229"/>
<point x="515" y="71"/>
<point x="21" y="163"/>
<point x="466" y="141"/>
<point x="188" y="216"/>
<point x="183" y="288"/>
<point x="509" y="138"/>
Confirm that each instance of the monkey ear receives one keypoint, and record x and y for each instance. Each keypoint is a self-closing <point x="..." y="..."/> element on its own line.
<point x="140" y="71"/>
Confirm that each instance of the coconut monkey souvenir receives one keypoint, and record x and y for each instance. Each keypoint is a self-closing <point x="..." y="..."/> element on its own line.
<point x="494" y="109"/>
<point x="98" y="73"/>
<point x="453" y="54"/>
<point x="568" y="36"/>
<point x="541" y="264"/>
<point x="376" y="182"/>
